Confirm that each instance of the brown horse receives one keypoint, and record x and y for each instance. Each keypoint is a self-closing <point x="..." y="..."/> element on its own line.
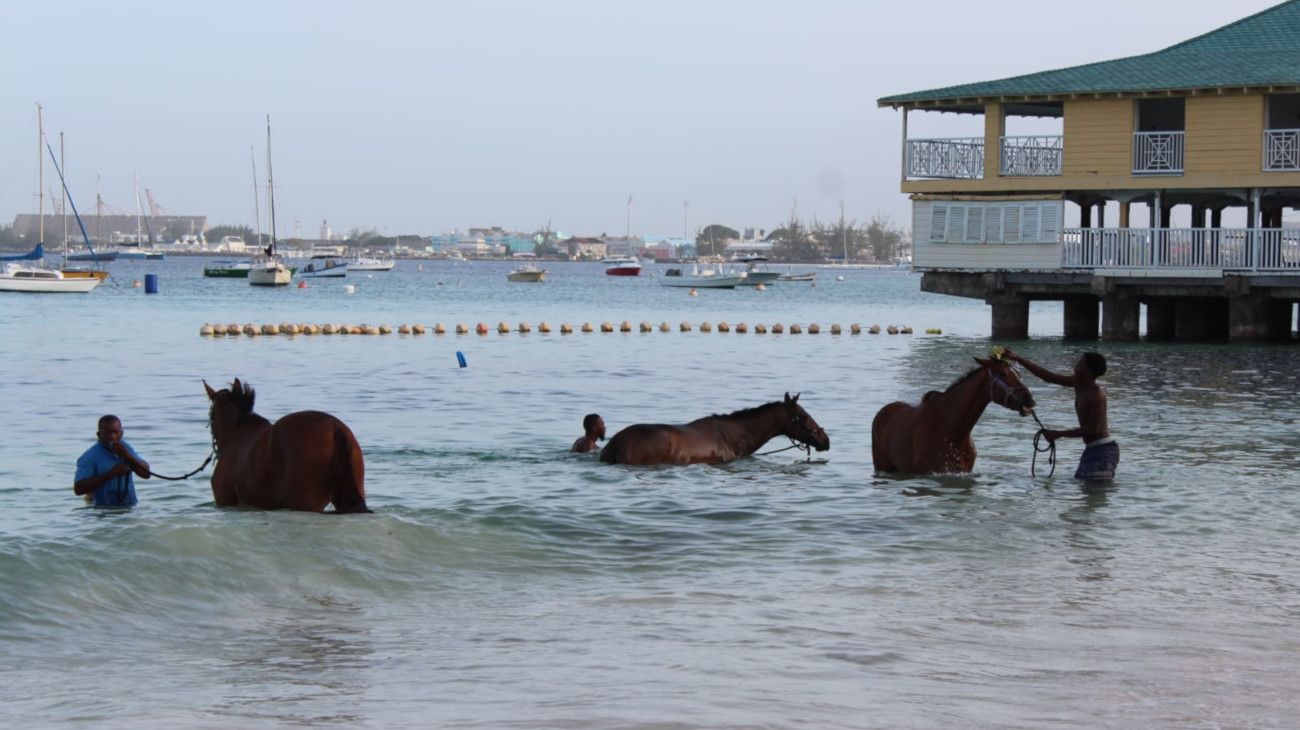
<point x="935" y="435"/>
<point x="303" y="461"/>
<point x="715" y="439"/>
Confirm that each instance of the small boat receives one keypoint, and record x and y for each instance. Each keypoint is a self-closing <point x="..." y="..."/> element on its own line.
<point x="622" y="266"/>
<point x="269" y="269"/>
<point x="755" y="276"/>
<point x="95" y="256"/>
<point x="139" y="254"/>
<point x="323" y="266"/>
<point x="364" y="263"/>
<point x="229" y="269"/>
<point x="703" y="279"/>
<point x="25" y="278"/>
<point x="528" y="273"/>
<point x="811" y="276"/>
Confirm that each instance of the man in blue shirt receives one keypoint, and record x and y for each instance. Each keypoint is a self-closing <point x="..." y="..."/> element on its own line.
<point x="104" y="471"/>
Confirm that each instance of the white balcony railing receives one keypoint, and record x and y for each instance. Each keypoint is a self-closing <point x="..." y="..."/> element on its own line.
<point x="1031" y="156"/>
<point x="960" y="158"/>
<point x="1158" y="153"/>
<point x="1282" y="150"/>
<point x="1182" y="248"/>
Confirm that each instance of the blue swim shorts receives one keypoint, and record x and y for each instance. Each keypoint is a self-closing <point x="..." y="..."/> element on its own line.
<point x="1099" y="460"/>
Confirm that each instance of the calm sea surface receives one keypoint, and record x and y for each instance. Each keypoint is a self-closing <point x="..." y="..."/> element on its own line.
<point x="505" y="583"/>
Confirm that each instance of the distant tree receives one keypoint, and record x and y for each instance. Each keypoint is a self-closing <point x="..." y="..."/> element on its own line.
<point x="712" y="239"/>
<point x="215" y="233"/>
<point x="833" y="239"/>
<point x="9" y="240"/>
<point x="795" y="242"/>
<point x="885" y="239"/>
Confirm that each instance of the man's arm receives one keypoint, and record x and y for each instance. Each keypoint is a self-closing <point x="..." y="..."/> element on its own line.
<point x="91" y="484"/>
<point x="133" y="460"/>
<point x="1043" y="373"/>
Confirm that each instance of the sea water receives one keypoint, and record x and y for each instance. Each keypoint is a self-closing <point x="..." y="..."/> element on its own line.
<point x="503" y="582"/>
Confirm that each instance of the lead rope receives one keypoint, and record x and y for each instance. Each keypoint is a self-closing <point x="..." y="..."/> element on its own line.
<point x="187" y="476"/>
<point x="1050" y="450"/>
<point x="793" y="445"/>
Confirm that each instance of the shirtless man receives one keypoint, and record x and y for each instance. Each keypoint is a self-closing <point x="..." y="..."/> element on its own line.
<point x="1100" y="453"/>
<point x="594" y="427"/>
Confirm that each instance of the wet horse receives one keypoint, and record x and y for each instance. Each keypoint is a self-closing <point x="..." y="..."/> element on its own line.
<point x="715" y="439"/>
<point x="304" y="461"/>
<point x="935" y="435"/>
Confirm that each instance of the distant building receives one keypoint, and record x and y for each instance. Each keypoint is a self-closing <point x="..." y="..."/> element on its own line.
<point x="585" y="248"/>
<point x="621" y="246"/>
<point x="112" y="228"/>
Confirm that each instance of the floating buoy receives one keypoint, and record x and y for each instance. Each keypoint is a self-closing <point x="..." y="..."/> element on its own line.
<point x="403" y="329"/>
<point x="647" y="327"/>
<point x="461" y="329"/>
<point x="206" y="330"/>
<point x="270" y="329"/>
<point x="327" y="329"/>
<point x="840" y="277"/>
<point x="760" y="287"/>
<point x="357" y="330"/>
<point x="665" y="327"/>
<point x="481" y="328"/>
<point x="439" y="329"/>
<point x="724" y="327"/>
<point x="349" y="289"/>
<point x="905" y="330"/>
<point x="685" y="327"/>
<point x="760" y="329"/>
<point x="778" y="328"/>
<point x="503" y="328"/>
<point x="855" y="329"/>
<point x="302" y="285"/>
<point x="417" y="329"/>
<point x="290" y="329"/>
<point x="566" y="328"/>
<point x="250" y="330"/>
<point x="310" y="329"/>
<point x="796" y="329"/>
<point x="419" y="267"/>
<point x="814" y="329"/>
<point x="136" y="284"/>
<point x="232" y="329"/>
<point x="706" y="327"/>
<point x="934" y="331"/>
<point x="606" y="327"/>
<point x="460" y="359"/>
<point x="891" y="329"/>
<point x="586" y="327"/>
<point x="693" y="292"/>
<point x="544" y="328"/>
<point x="875" y="329"/>
<point x="524" y="328"/>
<point x="741" y="328"/>
<point x="385" y="329"/>
<point x="626" y="326"/>
<point x="835" y="329"/>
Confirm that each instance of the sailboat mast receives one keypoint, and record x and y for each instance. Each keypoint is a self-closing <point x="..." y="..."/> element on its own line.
<point x="270" y="181"/>
<point x="257" y="205"/>
<point x="99" y="210"/>
<point x="137" y="210"/>
<point x="63" y="206"/>
<point x="40" y="172"/>
<point x="844" y="233"/>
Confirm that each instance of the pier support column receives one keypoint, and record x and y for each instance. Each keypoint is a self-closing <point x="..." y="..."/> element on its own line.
<point x="1119" y="317"/>
<point x="1161" y="315"/>
<point x="1081" y="318"/>
<point x="1253" y="318"/>
<point x="1010" y="317"/>
<point x="1200" y="319"/>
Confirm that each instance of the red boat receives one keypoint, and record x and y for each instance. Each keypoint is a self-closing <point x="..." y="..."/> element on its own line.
<point x="622" y="266"/>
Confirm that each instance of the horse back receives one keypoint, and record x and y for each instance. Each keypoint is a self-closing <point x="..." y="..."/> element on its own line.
<point x="306" y="461"/>
<point x="890" y="432"/>
<point x="642" y="443"/>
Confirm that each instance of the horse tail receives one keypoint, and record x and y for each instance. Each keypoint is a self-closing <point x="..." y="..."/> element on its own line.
<point x="349" y="473"/>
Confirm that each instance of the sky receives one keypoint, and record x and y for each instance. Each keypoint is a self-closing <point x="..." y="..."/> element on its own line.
<point x="425" y="117"/>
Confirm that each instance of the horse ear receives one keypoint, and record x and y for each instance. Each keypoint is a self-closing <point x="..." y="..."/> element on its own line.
<point x="212" y="394"/>
<point x="236" y="386"/>
<point x="787" y="397"/>
<point x="795" y="399"/>
<point x="982" y="361"/>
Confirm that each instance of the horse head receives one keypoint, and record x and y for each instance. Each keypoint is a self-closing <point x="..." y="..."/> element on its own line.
<point x="801" y="427"/>
<point x="1005" y="386"/>
<point x="228" y="404"/>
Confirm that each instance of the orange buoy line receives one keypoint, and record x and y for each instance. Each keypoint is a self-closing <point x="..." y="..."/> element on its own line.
<point x="250" y="329"/>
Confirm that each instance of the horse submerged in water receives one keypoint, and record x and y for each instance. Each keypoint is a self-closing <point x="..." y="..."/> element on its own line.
<point x="304" y="461"/>
<point x="934" y="437"/>
<point x="715" y="439"/>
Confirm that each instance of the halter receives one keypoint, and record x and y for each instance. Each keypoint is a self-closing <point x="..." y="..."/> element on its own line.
<point x="996" y="381"/>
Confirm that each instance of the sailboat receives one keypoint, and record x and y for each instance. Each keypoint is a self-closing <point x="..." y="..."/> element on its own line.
<point x="20" y="277"/>
<point x="268" y="268"/>
<point x="138" y="252"/>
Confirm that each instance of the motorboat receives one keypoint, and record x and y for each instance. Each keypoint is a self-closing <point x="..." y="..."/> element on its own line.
<point x="26" y="278"/>
<point x="95" y="256"/>
<point x="323" y="266"/>
<point x="365" y="263"/>
<point x="706" y="278"/>
<point x="622" y="266"/>
<point x="809" y="276"/>
<point x="139" y="254"/>
<point x="527" y="273"/>
<point x="229" y="269"/>
<point x="754" y="275"/>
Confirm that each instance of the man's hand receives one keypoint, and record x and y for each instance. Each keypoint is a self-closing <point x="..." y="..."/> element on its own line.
<point x="1009" y="354"/>
<point x="119" y="470"/>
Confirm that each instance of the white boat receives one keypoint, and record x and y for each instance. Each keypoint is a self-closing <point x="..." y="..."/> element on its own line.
<point x="268" y="269"/>
<point x="706" y="278"/>
<point x="622" y="266"/>
<point x="26" y="278"/>
<point x="366" y="263"/>
<point x="808" y="276"/>
<point x="755" y="276"/>
<point x="527" y="273"/>
<point x="322" y="266"/>
<point x="139" y="254"/>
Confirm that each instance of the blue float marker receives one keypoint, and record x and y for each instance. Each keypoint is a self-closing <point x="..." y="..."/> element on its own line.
<point x="460" y="358"/>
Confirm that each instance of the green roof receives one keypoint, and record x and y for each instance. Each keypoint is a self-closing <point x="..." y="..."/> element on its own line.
<point x="1258" y="51"/>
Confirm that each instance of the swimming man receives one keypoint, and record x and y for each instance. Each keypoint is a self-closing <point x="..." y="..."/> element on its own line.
<point x="1101" y="452"/>
<point x="594" y="427"/>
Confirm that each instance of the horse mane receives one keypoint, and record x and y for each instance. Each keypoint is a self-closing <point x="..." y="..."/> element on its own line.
<point x="961" y="379"/>
<point x="242" y="397"/>
<point x="746" y="411"/>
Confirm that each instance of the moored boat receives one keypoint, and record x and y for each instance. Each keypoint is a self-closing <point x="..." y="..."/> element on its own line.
<point x="322" y="266"/>
<point x="366" y="263"/>
<point x="702" y="279"/>
<point x="622" y="266"/>
<point x="17" y="277"/>
<point x="527" y="273"/>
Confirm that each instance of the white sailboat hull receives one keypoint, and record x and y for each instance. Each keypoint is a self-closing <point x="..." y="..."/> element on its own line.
<point x="269" y="273"/>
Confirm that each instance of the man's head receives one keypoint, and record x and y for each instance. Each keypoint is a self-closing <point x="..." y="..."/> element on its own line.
<point x="110" y="430"/>
<point x="1092" y="364"/>
<point x="594" y="425"/>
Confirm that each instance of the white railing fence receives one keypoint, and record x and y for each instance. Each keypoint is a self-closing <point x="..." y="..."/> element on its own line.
<point x="1282" y="150"/>
<point x="960" y="158"/>
<point x="1158" y="153"/>
<point x="1032" y="156"/>
<point x="1181" y="248"/>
